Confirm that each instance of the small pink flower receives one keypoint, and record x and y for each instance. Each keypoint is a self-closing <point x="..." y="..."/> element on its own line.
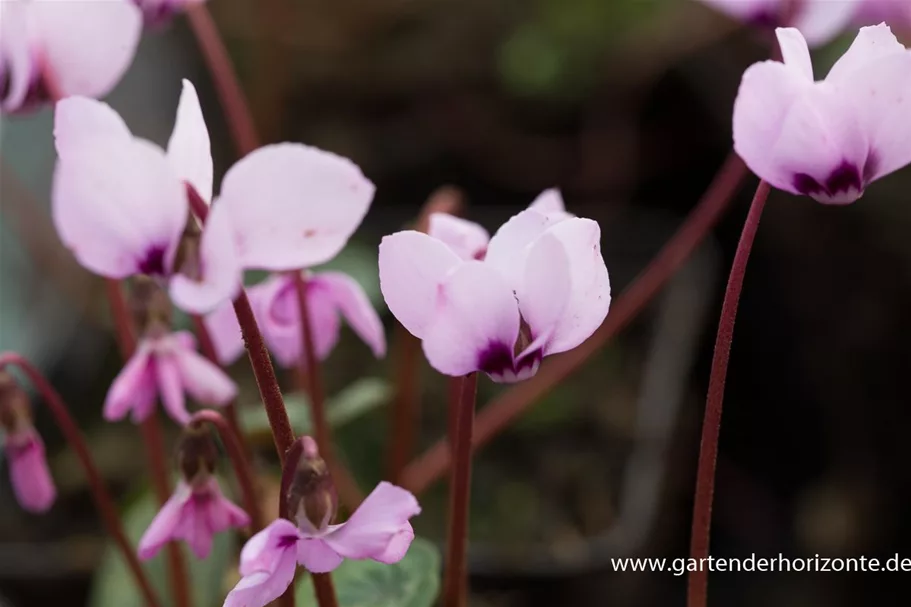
<point x="120" y="202"/>
<point x="29" y="474"/>
<point x="830" y="139"/>
<point x="330" y="296"/>
<point x="378" y="530"/>
<point x="195" y="515"/>
<point x="86" y="46"/>
<point x="542" y="288"/>
<point x="818" y="20"/>
<point x="167" y="366"/>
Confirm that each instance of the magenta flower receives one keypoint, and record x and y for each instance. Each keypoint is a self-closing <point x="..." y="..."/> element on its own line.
<point x="330" y="297"/>
<point x="29" y="474"/>
<point x="829" y="139"/>
<point x="167" y="366"/>
<point x="193" y="514"/>
<point x="84" y="46"/>
<point x="542" y="288"/>
<point x="378" y="530"/>
<point x="120" y="202"/>
<point x="818" y="20"/>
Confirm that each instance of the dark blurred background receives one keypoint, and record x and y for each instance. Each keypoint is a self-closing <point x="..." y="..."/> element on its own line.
<point x="625" y="105"/>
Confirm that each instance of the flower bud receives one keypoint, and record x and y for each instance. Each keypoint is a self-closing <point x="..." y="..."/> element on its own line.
<point x="15" y="412"/>
<point x="312" y="499"/>
<point x="196" y="454"/>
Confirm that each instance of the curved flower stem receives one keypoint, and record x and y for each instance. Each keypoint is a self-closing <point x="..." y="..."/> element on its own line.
<point x="239" y="461"/>
<point x="309" y="373"/>
<point x="498" y="414"/>
<point x="455" y="575"/>
<point x="711" y="424"/>
<point x="322" y="582"/>
<point x="233" y="101"/>
<point x="103" y="500"/>
<point x="405" y="407"/>
<point x="208" y="349"/>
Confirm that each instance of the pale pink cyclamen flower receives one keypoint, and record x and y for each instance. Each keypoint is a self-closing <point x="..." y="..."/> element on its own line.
<point x="120" y="203"/>
<point x="167" y="366"/>
<point x="818" y="20"/>
<point x="330" y="297"/>
<point x="84" y="46"/>
<point x="378" y="530"/>
<point x="542" y="288"/>
<point x="194" y="513"/>
<point x="158" y="12"/>
<point x="828" y="139"/>
<point x="29" y="474"/>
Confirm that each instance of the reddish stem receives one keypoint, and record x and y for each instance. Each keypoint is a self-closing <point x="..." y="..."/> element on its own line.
<point x="103" y="500"/>
<point x="239" y="461"/>
<point x="455" y="574"/>
<point x="711" y="424"/>
<point x="233" y="101"/>
<point x="503" y="410"/>
<point x="309" y="372"/>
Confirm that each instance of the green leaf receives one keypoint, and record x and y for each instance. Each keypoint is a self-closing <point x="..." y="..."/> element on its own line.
<point x="412" y="582"/>
<point x="358" y="398"/>
<point x="113" y="583"/>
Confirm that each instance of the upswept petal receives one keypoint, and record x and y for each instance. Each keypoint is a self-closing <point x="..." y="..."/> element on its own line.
<point x="133" y="387"/>
<point x="316" y="556"/>
<point x="589" y="293"/>
<point x="350" y="299"/>
<point x="264" y="550"/>
<point x="510" y="245"/>
<point x="221" y="512"/>
<point x="380" y="522"/>
<point x="872" y="45"/>
<point x="466" y="238"/>
<point x="267" y="565"/>
<point x="745" y="10"/>
<point x="822" y="20"/>
<point x="294" y="206"/>
<point x="794" y="51"/>
<point x="78" y="120"/>
<point x="170" y="387"/>
<point x="189" y="150"/>
<point x="163" y="526"/>
<point x="89" y="44"/>
<point x="412" y="268"/>
<point x="225" y="333"/>
<point x="118" y="206"/>
<point x="203" y="379"/>
<point x="550" y="202"/>
<point x="545" y="288"/>
<point x="221" y="275"/>
<point x="29" y="474"/>
<point x="476" y="324"/>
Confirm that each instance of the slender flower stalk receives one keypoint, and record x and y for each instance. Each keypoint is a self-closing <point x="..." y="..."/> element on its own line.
<point x="238" y="456"/>
<point x="309" y="371"/>
<point x="233" y="101"/>
<point x="103" y="500"/>
<point x="455" y="575"/>
<point x="711" y="424"/>
<point x="498" y="414"/>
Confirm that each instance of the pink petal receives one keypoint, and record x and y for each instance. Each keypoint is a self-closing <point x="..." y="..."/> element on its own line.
<point x="294" y="206"/>
<point x="89" y="44"/>
<point x="163" y="526"/>
<point x="202" y="379"/>
<point x="546" y="288"/>
<point x="78" y="120"/>
<point x="746" y="10"/>
<point x="225" y="333"/>
<point x="317" y="556"/>
<point x="589" y="293"/>
<point x="794" y="51"/>
<point x="477" y="323"/>
<point x="29" y="474"/>
<point x="352" y="302"/>
<point x="412" y="268"/>
<point x="822" y="20"/>
<point x="267" y="565"/>
<point x="275" y="304"/>
<point x="189" y="150"/>
<point x="117" y="205"/>
<point x="221" y="275"/>
<point x="170" y="386"/>
<point x="20" y="66"/>
<point x="550" y="203"/>
<point x="510" y="245"/>
<point x="466" y="238"/>
<point x="379" y="527"/>
<point x="872" y="45"/>
<point x="221" y="512"/>
<point x="264" y="550"/>
<point x="133" y="389"/>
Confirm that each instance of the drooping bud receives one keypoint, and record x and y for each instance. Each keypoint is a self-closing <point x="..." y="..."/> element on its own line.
<point x="312" y="499"/>
<point x="15" y="412"/>
<point x="196" y="454"/>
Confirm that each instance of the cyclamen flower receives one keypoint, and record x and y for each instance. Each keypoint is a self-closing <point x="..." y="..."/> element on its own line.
<point x="120" y="202"/>
<point x="828" y="139"/>
<point x="83" y="46"/>
<point x="167" y="366"/>
<point x="378" y="530"/>
<point x="157" y="12"/>
<point x="193" y="514"/>
<point x="330" y="296"/>
<point x="542" y="288"/>
<point x="818" y="20"/>
<point x="29" y="474"/>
